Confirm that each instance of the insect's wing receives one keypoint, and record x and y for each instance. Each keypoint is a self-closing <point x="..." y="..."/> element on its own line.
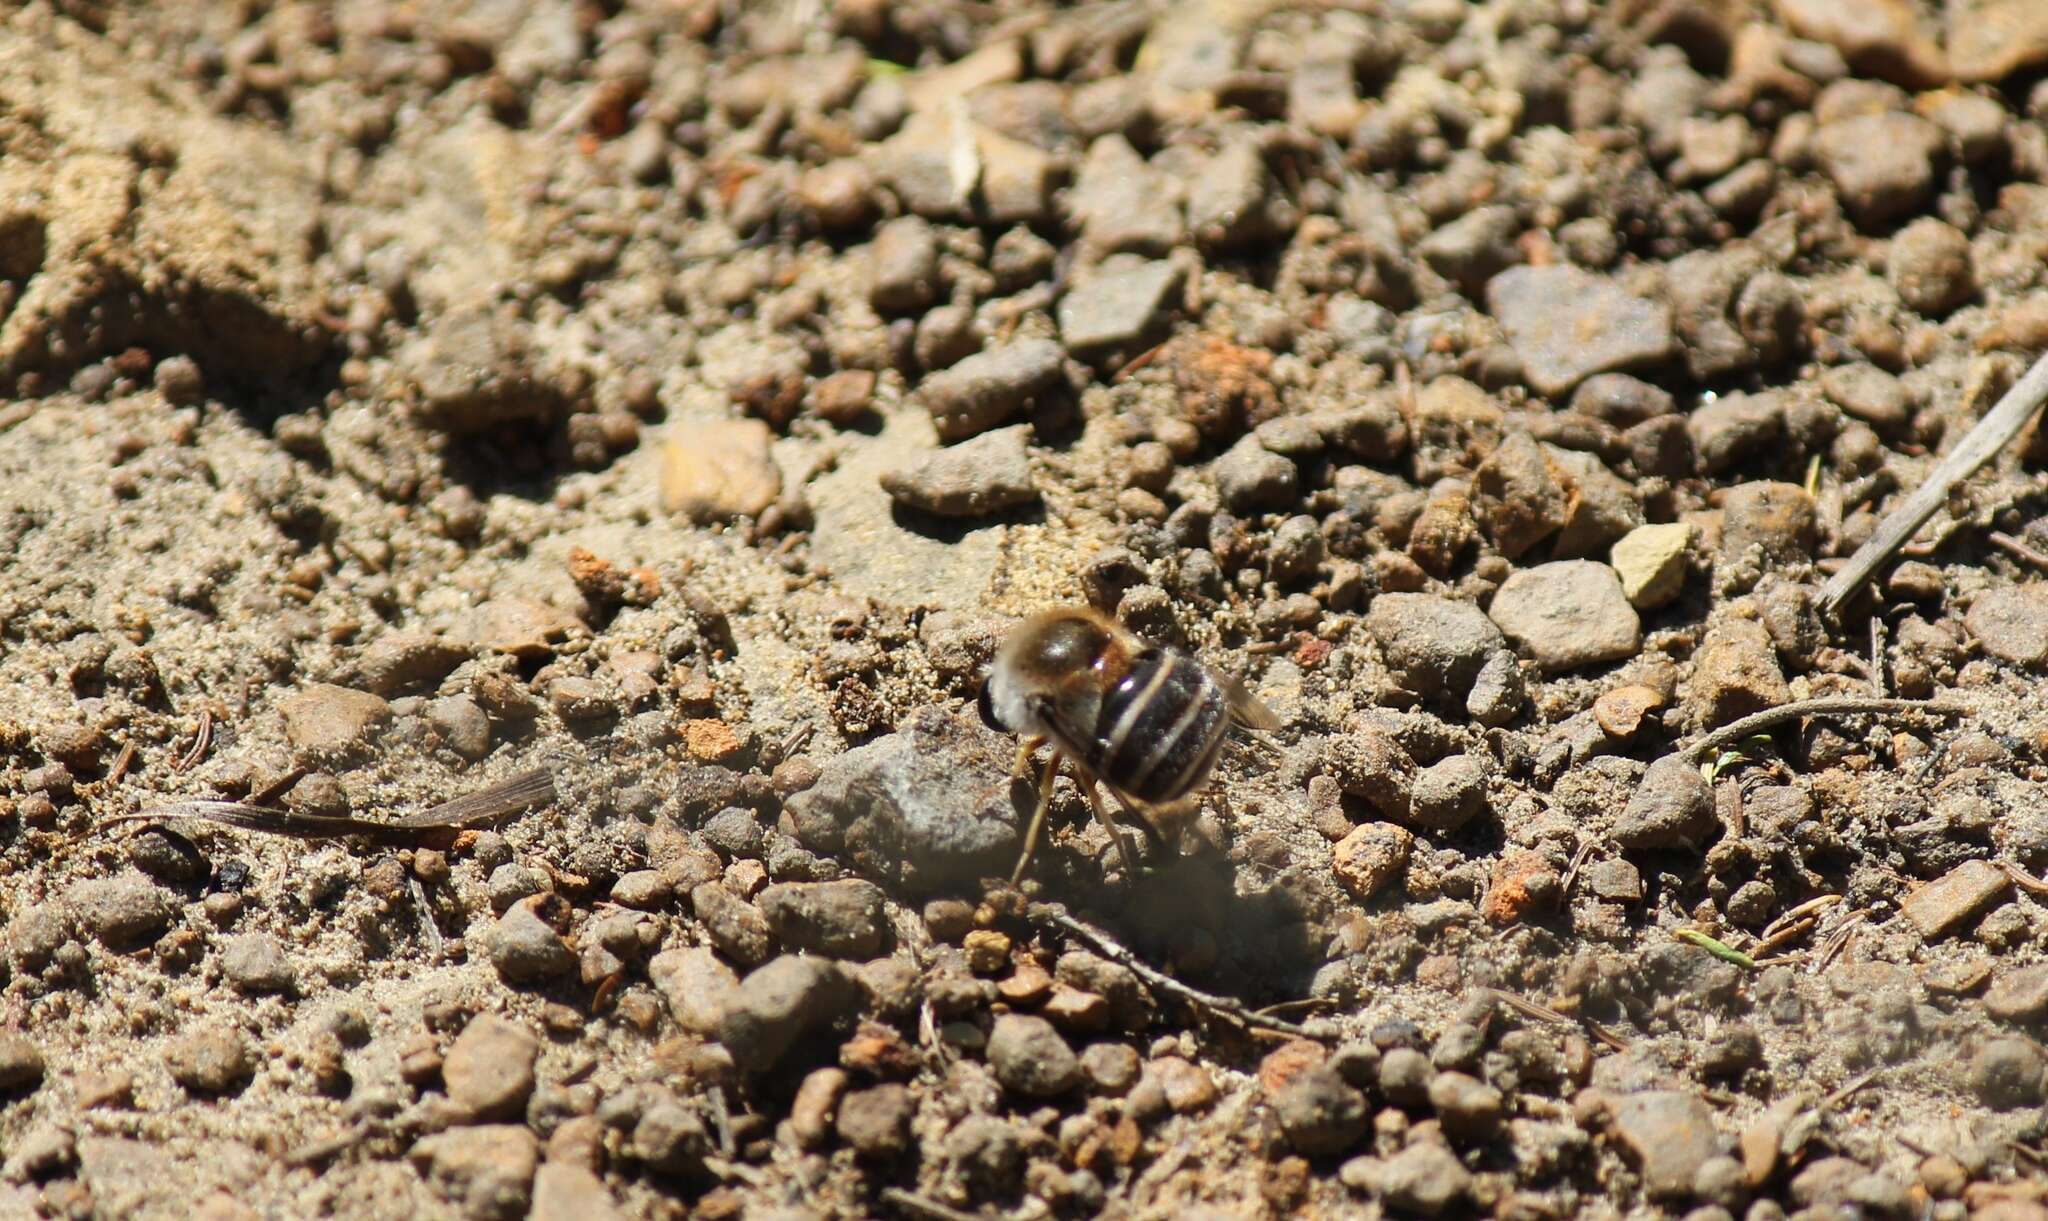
<point x="1247" y="709"/>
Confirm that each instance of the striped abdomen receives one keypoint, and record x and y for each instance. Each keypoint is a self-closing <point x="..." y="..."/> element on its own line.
<point x="1160" y="728"/>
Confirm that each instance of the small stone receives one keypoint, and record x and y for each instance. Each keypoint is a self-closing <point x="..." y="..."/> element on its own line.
<point x="564" y="1191"/>
<point x="1668" y="1135"/>
<point x="1448" y="793"/>
<point x="671" y="1137"/>
<point x="212" y="1059"/>
<point x="842" y="919"/>
<point x="487" y="1169"/>
<point x="489" y="1068"/>
<point x="782" y="1003"/>
<point x="905" y="261"/>
<point x="1567" y="324"/>
<point x="1250" y="478"/>
<point x="698" y="987"/>
<point x="1474" y="248"/>
<point x="21" y="1063"/>
<point x="1776" y="519"/>
<point x="979" y="477"/>
<point x="1518" y="495"/>
<point x="1951" y="901"/>
<point x="462" y="724"/>
<point x="2009" y="1073"/>
<point x="526" y="628"/>
<point x="1425" y="1179"/>
<point x="1498" y="692"/>
<point x="1882" y="164"/>
<point x="1111" y="1068"/>
<point x="2011" y="623"/>
<point x="179" y="380"/>
<point x="256" y="963"/>
<point x="408" y="661"/>
<point x="1370" y="857"/>
<point x="717" y="470"/>
<point x="1119" y="307"/>
<point x="1468" y="1108"/>
<point x="1320" y="1113"/>
<point x="1734" y="428"/>
<point x="1226" y="203"/>
<point x="1621" y="400"/>
<point x="2019" y="995"/>
<point x="524" y="949"/>
<point x="1122" y="203"/>
<point x="1432" y="643"/>
<point x="844" y="397"/>
<point x="735" y="926"/>
<point x="124" y="910"/>
<point x="816" y="1104"/>
<point x="1651" y="562"/>
<point x="1929" y="266"/>
<point x="1188" y="1087"/>
<point x="1735" y="673"/>
<point x="1880" y="38"/>
<point x="325" y="721"/>
<point x="1673" y="807"/>
<point x="1568" y="614"/>
<point x="1030" y="1058"/>
<point x="876" y="1121"/>
<point x="1869" y="394"/>
<point x="990" y="387"/>
<point x="1621" y="711"/>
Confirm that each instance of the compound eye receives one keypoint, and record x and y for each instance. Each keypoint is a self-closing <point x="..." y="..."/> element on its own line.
<point x="987" y="710"/>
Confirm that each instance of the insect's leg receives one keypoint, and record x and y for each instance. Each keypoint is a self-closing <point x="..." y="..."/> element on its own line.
<point x="1025" y="750"/>
<point x="1031" y="833"/>
<point x="1123" y="849"/>
<point x="1141" y="820"/>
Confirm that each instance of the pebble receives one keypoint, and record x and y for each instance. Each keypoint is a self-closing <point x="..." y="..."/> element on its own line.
<point x="1869" y="394"/>
<point x="1993" y="39"/>
<point x="1929" y="266"/>
<point x="1111" y="1068"/>
<point x="1370" y="857"/>
<point x="1878" y="37"/>
<point x="921" y="809"/>
<point x="474" y="373"/>
<point x="326" y="721"/>
<point x="1651" y="562"/>
<point x="1320" y="1113"/>
<point x="256" y="963"/>
<point x="1469" y="1109"/>
<point x="408" y="661"/>
<point x="1735" y="673"/>
<point x="735" y="926"/>
<point x="124" y="910"/>
<point x="564" y="1191"/>
<point x="1667" y="1134"/>
<point x="816" y="1104"/>
<point x="1121" y="203"/>
<point x="1030" y="1058"/>
<point x="489" y="1068"/>
<point x="21" y="1063"/>
<point x="697" y="985"/>
<point x="1518" y="495"/>
<point x="718" y="470"/>
<point x="1118" y="308"/>
<point x="2019" y="995"/>
<point x="1567" y="614"/>
<point x="211" y="1059"/>
<point x="1882" y="164"/>
<point x="842" y="919"/>
<point x="1735" y="428"/>
<point x="875" y="1122"/>
<point x="2011" y="623"/>
<point x="782" y="1003"/>
<point x="1226" y="201"/>
<point x="1673" y="807"/>
<point x="905" y="266"/>
<point x="1448" y="793"/>
<point x="1567" y="324"/>
<point x="1776" y="519"/>
<point x="1187" y="1087"/>
<point x="2008" y="1074"/>
<point x="524" y="949"/>
<point x="1251" y="478"/>
<point x="1425" y="1179"/>
<point x="990" y="387"/>
<point x="1621" y="400"/>
<point x="1498" y="692"/>
<point x="844" y="397"/>
<point x="488" y="1170"/>
<point x="1474" y="248"/>
<point x="979" y="477"/>
<point x="462" y="724"/>
<point x="1953" y="900"/>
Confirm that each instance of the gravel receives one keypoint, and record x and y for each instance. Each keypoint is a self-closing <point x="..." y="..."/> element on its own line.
<point x="1567" y="614"/>
<point x="990" y="387"/>
<point x="781" y="1004"/>
<point x="979" y="477"/>
<point x="1030" y="1058"/>
<point x="489" y="1069"/>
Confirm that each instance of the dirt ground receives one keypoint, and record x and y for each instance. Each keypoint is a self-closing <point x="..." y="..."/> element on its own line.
<point x="638" y="424"/>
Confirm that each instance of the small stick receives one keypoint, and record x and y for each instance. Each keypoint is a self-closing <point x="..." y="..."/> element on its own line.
<point x="522" y="792"/>
<point x="1880" y="685"/>
<point x="122" y="762"/>
<point x="1991" y="434"/>
<point x="2018" y="548"/>
<point x="924" y="1206"/>
<point x="2024" y="880"/>
<point x="270" y="793"/>
<point x="1114" y="950"/>
<point x="1838" y="705"/>
<point x="437" y="948"/>
<point x="202" y="741"/>
<point x="1850" y="1088"/>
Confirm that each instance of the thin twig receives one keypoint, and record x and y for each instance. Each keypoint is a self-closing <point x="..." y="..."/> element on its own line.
<point x="1544" y="1013"/>
<point x="2018" y="548"/>
<point x="271" y="793"/>
<point x="1990" y="435"/>
<point x="1879" y="684"/>
<point x="437" y="948"/>
<point x="2024" y="880"/>
<point x="202" y="741"/>
<point x="522" y="792"/>
<point x="1836" y="705"/>
<point x="1115" y="950"/>
<point x="924" y="1206"/>
<point x="122" y="762"/>
<point x="1832" y="1099"/>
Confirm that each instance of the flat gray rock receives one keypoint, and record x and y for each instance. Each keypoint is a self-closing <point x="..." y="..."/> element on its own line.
<point x="1567" y="324"/>
<point x="1568" y="614"/>
<point x="1119" y="306"/>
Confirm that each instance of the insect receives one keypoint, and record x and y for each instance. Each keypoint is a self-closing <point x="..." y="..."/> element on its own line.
<point x="1145" y="720"/>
